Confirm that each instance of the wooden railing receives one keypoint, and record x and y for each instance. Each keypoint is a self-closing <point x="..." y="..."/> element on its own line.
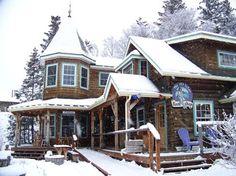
<point x="152" y="137"/>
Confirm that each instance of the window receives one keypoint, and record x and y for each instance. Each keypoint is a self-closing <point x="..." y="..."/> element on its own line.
<point x="52" y="125"/>
<point x="143" y="67"/>
<point x="226" y="59"/>
<point x="203" y="111"/>
<point x="103" y="79"/>
<point x="67" y="124"/>
<point x="51" y="75"/>
<point x="128" y="69"/>
<point x="68" y="75"/>
<point x="140" y="116"/>
<point x="84" y="77"/>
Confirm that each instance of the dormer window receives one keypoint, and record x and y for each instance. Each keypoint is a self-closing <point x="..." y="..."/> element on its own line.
<point x="128" y="69"/>
<point x="51" y="75"/>
<point x="69" y="75"/>
<point x="84" y="77"/>
<point x="226" y="59"/>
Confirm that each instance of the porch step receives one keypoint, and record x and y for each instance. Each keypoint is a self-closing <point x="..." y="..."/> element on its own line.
<point x="184" y="165"/>
<point x="187" y="168"/>
<point x="31" y="152"/>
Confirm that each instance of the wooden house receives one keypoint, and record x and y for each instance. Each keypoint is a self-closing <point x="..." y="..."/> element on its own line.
<point x="169" y="83"/>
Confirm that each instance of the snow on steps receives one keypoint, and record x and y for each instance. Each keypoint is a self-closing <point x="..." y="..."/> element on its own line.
<point x="184" y="165"/>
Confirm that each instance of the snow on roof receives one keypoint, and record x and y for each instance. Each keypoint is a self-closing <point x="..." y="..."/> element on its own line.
<point x="201" y="35"/>
<point x="107" y="61"/>
<point x="164" y="58"/>
<point x="9" y="99"/>
<point x="66" y="42"/>
<point x="55" y="103"/>
<point x="127" y="84"/>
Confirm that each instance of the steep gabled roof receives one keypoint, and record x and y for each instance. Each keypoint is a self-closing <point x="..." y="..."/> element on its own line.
<point x="167" y="61"/>
<point x="201" y="35"/>
<point x="67" y="43"/>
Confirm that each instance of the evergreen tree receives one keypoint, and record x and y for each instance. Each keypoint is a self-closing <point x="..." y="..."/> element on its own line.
<point x="220" y="13"/>
<point x="54" y="26"/>
<point x="170" y="7"/>
<point x="11" y="129"/>
<point x="32" y="86"/>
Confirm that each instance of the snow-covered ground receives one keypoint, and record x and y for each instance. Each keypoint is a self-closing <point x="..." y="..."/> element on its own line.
<point x="112" y="166"/>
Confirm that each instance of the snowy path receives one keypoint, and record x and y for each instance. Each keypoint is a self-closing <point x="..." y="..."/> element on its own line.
<point x="116" y="167"/>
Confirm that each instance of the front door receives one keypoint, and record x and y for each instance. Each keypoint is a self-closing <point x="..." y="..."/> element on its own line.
<point x="161" y="123"/>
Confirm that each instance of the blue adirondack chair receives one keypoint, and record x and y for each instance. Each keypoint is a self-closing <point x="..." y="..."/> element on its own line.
<point x="184" y="136"/>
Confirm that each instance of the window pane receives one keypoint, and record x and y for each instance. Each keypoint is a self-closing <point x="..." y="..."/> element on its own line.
<point x="103" y="78"/>
<point x="51" y="75"/>
<point x="84" y="78"/>
<point x="227" y="59"/>
<point x="69" y="75"/>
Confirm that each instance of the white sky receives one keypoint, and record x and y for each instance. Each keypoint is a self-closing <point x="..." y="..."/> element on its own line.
<point x="23" y="22"/>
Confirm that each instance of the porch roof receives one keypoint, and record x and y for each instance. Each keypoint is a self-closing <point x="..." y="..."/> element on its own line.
<point x="128" y="84"/>
<point x="230" y="98"/>
<point x="55" y="103"/>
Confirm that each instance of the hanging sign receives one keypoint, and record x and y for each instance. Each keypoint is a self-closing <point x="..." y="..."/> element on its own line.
<point x="182" y="96"/>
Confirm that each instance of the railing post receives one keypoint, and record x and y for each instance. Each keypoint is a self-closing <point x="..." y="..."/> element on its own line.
<point x="150" y="149"/>
<point x="158" y="157"/>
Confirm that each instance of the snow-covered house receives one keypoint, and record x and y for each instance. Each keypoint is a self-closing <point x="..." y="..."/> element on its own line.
<point x="170" y="83"/>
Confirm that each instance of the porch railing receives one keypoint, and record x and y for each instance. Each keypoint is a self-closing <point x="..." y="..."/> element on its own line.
<point x="153" y="137"/>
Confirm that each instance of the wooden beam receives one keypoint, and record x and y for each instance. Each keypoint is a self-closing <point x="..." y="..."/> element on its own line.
<point x="100" y="128"/>
<point x="47" y="127"/>
<point x="17" y="130"/>
<point x="158" y="156"/>
<point x="150" y="149"/>
<point x="92" y="129"/>
<point x="114" y="107"/>
<point x="133" y="104"/>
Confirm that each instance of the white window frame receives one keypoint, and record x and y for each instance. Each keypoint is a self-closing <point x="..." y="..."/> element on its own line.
<point x="131" y="70"/>
<point x="100" y="78"/>
<point x="209" y="117"/>
<point x="137" y="117"/>
<point x="51" y="65"/>
<point x="233" y="54"/>
<point x="84" y="67"/>
<point x="62" y="74"/>
<point x="147" y="67"/>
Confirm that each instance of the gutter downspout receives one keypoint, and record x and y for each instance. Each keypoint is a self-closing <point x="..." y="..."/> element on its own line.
<point x="127" y="115"/>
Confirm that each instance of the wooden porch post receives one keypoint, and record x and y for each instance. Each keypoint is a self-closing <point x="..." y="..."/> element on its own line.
<point x="127" y="115"/>
<point x="150" y="149"/>
<point x="17" y="130"/>
<point x="92" y="129"/>
<point x="158" y="157"/>
<point x="100" y="129"/>
<point x="200" y="138"/>
<point x="115" y="112"/>
<point x="47" y="127"/>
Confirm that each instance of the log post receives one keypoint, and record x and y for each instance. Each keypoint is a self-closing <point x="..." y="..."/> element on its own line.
<point x="150" y="149"/>
<point x="100" y="129"/>
<point x="47" y="127"/>
<point x="17" y="130"/>
<point x="200" y="138"/>
<point x="115" y="112"/>
<point x="158" y="157"/>
<point x="92" y="129"/>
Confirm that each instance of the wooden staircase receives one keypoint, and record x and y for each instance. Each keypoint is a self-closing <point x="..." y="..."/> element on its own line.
<point x="31" y="152"/>
<point x="184" y="165"/>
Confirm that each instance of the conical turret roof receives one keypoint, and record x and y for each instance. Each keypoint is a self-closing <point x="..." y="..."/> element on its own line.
<point x="66" y="43"/>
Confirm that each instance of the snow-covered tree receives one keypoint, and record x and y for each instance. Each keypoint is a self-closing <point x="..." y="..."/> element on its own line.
<point x="54" y="26"/>
<point x="219" y="13"/>
<point x="109" y="47"/>
<point x="91" y="48"/>
<point x="177" y="24"/>
<point x="225" y="138"/>
<point x="11" y="129"/>
<point x="140" y="28"/>
<point x="32" y="86"/>
<point x="170" y="7"/>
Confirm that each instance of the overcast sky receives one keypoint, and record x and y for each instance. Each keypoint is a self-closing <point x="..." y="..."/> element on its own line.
<point x="23" y="22"/>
